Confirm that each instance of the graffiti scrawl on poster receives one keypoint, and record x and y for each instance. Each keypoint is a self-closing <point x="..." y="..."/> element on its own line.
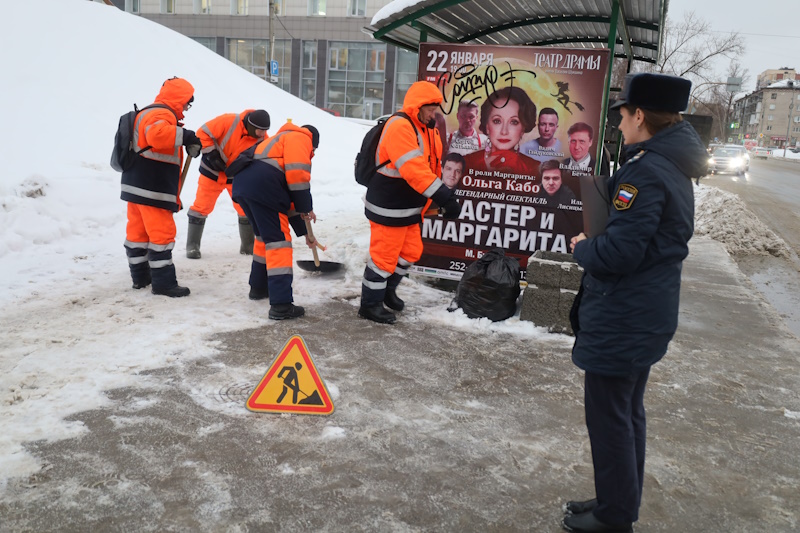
<point x="519" y="126"/>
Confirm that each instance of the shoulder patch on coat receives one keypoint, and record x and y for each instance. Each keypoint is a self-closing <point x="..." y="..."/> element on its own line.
<point x="624" y="197"/>
<point x="637" y="157"/>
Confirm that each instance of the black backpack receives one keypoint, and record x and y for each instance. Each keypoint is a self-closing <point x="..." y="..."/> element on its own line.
<point x="124" y="154"/>
<point x="365" y="166"/>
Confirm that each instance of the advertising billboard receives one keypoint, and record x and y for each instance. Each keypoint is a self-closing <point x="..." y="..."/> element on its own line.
<point x="520" y="126"/>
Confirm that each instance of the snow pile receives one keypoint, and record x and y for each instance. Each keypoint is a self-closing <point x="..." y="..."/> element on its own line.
<point x="779" y="152"/>
<point x="724" y="217"/>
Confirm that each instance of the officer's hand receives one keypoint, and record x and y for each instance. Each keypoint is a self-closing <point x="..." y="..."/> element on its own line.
<point x="214" y="161"/>
<point x="575" y="240"/>
<point x="451" y="209"/>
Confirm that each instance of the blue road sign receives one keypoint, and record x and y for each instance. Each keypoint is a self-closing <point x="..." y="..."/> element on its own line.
<point x="273" y="68"/>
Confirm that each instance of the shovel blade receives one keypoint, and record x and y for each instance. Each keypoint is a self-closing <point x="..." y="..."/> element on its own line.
<point x="324" y="266"/>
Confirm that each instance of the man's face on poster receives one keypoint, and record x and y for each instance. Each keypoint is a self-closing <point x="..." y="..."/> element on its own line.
<point x="451" y="173"/>
<point x="548" y="124"/>
<point x="551" y="181"/>
<point x="579" y="144"/>
<point x="467" y="115"/>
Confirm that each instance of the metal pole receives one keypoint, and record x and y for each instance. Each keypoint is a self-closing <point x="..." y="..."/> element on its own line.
<point x="789" y="124"/>
<point x="612" y="44"/>
<point x="271" y="38"/>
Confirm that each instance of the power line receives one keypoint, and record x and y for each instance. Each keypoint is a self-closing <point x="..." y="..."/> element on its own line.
<point x="759" y="34"/>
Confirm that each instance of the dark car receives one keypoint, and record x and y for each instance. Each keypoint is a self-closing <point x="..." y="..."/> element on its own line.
<point x="727" y="159"/>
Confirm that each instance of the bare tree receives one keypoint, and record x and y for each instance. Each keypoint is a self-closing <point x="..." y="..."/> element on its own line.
<point x="691" y="48"/>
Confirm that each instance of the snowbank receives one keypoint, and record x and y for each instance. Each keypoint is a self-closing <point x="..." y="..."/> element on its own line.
<point x="724" y="217"/>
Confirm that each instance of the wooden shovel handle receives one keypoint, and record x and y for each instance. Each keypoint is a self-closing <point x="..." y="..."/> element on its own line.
<point x="314" y="249"/>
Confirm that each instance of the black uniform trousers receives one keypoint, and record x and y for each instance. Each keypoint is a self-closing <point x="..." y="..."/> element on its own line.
<point x="615" y="418"/>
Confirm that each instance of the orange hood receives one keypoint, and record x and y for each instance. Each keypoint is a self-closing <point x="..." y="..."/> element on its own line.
<point x="175" y="93"/>
<point x="419" y="94"/>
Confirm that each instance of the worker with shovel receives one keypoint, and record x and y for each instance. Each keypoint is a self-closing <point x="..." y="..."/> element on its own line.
<point x="223" y="139"/>
<point x="151" y="186"/>
<point x="272" y="184"/>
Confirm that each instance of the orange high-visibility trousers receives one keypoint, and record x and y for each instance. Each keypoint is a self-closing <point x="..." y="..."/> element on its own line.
<point x="208" y="192"/>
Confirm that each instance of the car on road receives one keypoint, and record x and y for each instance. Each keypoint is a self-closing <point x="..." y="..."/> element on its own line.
<point x="759" y="152"/>
<point x="727" y="159"/>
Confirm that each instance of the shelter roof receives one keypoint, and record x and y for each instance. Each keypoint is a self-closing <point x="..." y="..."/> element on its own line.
<point x="575" y="23"/>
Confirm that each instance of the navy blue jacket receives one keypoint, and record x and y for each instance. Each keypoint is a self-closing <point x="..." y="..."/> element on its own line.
<point x="628" y="311"/>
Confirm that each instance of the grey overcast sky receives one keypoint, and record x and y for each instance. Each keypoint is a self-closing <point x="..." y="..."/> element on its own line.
<point x="769" y="28"/>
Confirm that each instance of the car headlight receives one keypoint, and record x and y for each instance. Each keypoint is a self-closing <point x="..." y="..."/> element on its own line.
<point x="736" y="162"/>
<point x="711" y="161"/>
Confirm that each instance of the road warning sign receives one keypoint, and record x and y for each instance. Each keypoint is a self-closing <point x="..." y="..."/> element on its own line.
<point x="292" y="384"/>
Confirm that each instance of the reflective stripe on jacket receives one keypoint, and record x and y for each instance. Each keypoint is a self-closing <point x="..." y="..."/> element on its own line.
<point x="228" y="135"/>
<point x="399" y="192"/>
<point x="154" y="177"/>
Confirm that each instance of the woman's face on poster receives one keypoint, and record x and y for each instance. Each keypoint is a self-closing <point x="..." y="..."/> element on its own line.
<point x="504" y="126"/>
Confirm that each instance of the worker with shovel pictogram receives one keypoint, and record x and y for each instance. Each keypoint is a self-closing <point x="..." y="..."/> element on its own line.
<point x="289" y="376"/>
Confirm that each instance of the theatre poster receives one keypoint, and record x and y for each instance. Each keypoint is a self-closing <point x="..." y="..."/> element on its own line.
<point x="519" y="126"/>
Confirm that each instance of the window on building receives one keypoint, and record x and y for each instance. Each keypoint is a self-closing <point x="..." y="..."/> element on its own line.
<point x="202" y="7"/>
<point x="796" y="130"/>
<point x="355" y="79"/>
<point x="769" y="128"/>
<point x="278" y="6"/>
<point x="316" y="8"/>
<point x="250" y="54"/>
<point x="208" y="42"/>
<point x="772" y="106"/>
<point x="283" y="55"/>
<point x="308" y="73"/>
<point x="769" y="117"/>
<point x="773" y="96"/>
<point x="132" y="6"/>
<point x="239" y="7"/>
<point x="357" y="8"/>
<point x="168" y="6"/>
<point x="405" y="73"/>
<point x="796" y="119"/>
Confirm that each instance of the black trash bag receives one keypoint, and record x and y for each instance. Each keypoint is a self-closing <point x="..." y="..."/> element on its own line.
<point x="490" y="287"/>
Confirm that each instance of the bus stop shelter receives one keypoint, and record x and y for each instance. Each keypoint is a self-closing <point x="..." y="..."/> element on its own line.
<point x="632" y="29"/>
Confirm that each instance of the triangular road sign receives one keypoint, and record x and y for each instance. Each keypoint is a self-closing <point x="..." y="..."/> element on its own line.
<point x="292" y="384"/>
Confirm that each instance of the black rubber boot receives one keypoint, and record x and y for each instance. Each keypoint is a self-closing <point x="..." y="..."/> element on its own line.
<point x="173" y="292"/>
<point x="393" y="301"/>
<point x="377" y="313"/>
<point x="246" y="235"/>
<point x="574" y="507"/>
<point x="285" y="311"/>
<point x="258" y="294"/>
<point x="194" y="236"/>
<point x="588" y="523"/>
<point x="142" y="282"/>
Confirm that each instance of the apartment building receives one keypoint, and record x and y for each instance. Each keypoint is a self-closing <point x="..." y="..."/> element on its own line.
<point x="769" y="115"/>
<point x="323" y="55"/>
<point x="770" y="76"/>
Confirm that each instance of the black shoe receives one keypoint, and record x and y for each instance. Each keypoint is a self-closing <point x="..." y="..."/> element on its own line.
<point x="392" y="301"/>
<point x="377" y="313"/>
<point x="285" y="311"/>
<point x="173" y="292"/>
<point x="142" y="284"/>
<point x="258" y="294"/>
<point x="588" y="523"/>
<point x="573" y="507"/>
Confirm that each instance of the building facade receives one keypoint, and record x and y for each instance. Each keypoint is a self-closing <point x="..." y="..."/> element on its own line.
<point x="769" y="115"/>
<point x="770" y="76"/>
<point x="323" y="55"/>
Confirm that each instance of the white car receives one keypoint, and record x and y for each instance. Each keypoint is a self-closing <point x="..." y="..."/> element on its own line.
<point x="760" y="152"/>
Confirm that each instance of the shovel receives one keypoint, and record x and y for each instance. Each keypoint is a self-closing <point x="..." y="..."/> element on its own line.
<point x="316" y="265"/>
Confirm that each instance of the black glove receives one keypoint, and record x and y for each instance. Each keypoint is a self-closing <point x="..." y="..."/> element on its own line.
<point x="213" y="160"/>
<point x="192" y="143"/>
<point x="451" y="208"/>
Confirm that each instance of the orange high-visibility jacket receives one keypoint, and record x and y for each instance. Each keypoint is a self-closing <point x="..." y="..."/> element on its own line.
<point x="228" y="135"/>
<point x="399" y="192"/>
<point x="290" y="151"/>
<point x="154" y="177"/>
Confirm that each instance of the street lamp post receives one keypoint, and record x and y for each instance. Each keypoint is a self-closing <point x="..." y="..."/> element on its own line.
<point x="790" y="84"/>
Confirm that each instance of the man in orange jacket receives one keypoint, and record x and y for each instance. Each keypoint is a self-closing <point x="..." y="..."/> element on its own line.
<point x="398" y="195"/>
<point x="152" y="187"/>
<point x="223" y="139"/>
<point x="272" y="184"/>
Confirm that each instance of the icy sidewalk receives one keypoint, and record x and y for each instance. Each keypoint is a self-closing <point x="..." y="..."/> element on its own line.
<point x="436" y="428"/>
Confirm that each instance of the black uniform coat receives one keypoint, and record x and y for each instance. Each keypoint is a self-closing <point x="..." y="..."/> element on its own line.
<point x="628" y="311"/>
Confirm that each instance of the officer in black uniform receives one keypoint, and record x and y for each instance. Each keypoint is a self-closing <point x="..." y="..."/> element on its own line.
<point x="627" y="310"/>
